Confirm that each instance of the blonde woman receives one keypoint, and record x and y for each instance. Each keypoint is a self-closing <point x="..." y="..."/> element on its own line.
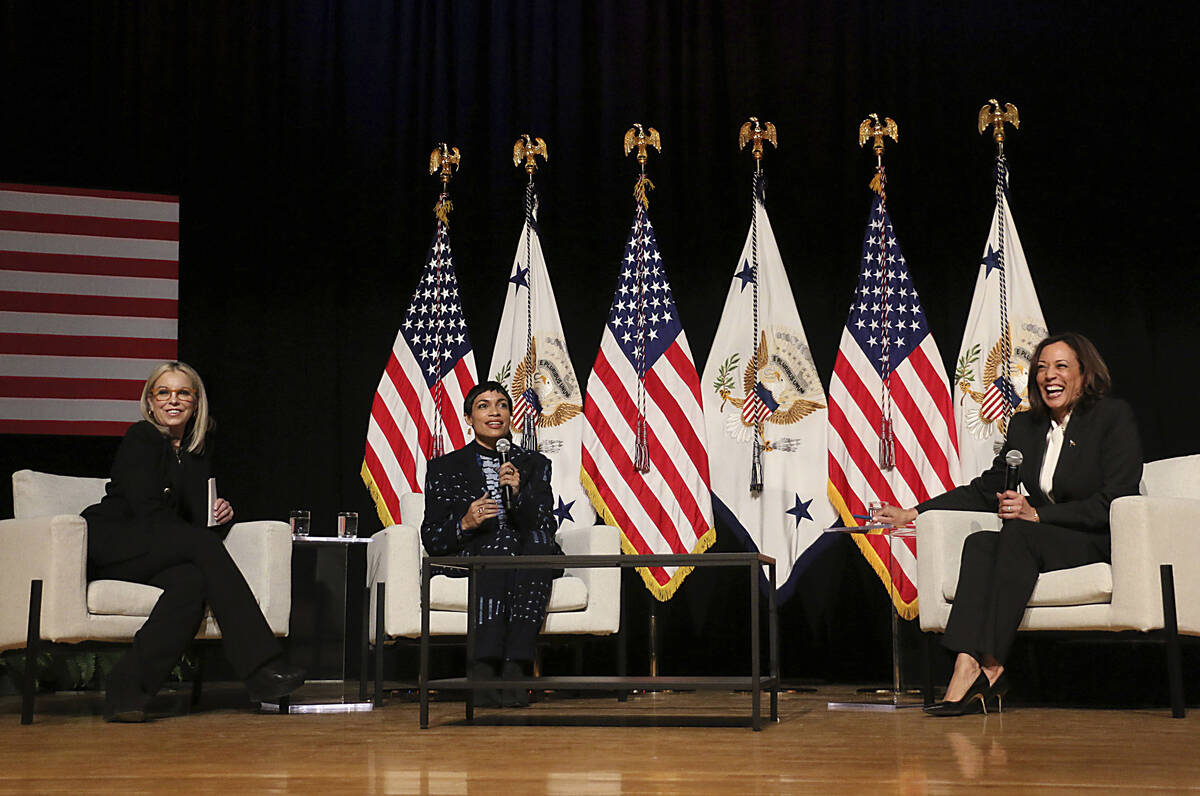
<point x="152" y="527"/>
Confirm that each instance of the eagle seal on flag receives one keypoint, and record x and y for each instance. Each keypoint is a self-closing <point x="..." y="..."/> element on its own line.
<point x="987" y="388"/>
<point x="548" y="392"/>
<point x="779" y="386"/>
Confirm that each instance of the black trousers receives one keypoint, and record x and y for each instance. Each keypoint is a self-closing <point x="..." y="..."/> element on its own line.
<point x="997" y="575"/>
<point x="193" y="568"/>
<point x="510" y="607"/>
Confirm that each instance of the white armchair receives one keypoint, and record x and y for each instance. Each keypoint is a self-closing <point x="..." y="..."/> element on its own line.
<point x="45" y="594"/>
<point x="1160" y="526"/>
<point x="582" y="601"/>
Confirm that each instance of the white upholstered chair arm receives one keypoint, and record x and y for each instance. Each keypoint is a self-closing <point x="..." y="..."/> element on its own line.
<point x="394" y="559"/>
<point x="940" y="537"/>
<point x="262" y="550"/>
<point x="53" y="550"/>
<point x="1147" y="532"/>
<point x="603" y="583"/>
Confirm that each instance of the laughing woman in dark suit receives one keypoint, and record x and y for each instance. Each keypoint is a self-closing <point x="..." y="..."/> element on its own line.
<point x="153" y="527"/>
<point x="465" y="516"/>
<point x="1081" y="452"/>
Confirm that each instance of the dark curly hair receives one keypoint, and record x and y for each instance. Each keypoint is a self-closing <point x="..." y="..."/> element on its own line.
<point x="1096" y="380"/>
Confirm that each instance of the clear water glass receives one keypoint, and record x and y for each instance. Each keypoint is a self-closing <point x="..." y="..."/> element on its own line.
<point x="300" y="520"/>
<point x="347" y="524"/>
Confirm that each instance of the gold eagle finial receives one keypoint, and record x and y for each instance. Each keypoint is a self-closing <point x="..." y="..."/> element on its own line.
<point x="756" y="132"/>
<point x="991" y="114"/>
<point x="871" y="127"/>
<point x="443" y="160"/>
<point x="528" y="148"/>
<point x="637" y="137"/>
<point x="446" y="158"/>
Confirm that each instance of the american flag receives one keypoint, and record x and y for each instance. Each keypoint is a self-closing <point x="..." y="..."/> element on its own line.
<point x="89" y="293"/>
<point x="643" y="407"/>
<point x="417" y="411"/>
<point x="889" y="376"/>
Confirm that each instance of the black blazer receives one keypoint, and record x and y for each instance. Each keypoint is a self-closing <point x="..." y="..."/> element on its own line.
<point x="149" y="492"/>
<point x="1101" y="460"/>
<point x="455" y="480"/>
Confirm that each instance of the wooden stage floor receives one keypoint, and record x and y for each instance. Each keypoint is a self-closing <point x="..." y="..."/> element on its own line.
<point x="592" y="746"/>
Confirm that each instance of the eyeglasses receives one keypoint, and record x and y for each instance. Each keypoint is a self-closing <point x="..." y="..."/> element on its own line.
<point x="184" y="394"/>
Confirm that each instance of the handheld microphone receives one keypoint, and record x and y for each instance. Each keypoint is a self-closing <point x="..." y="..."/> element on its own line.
<point x="1012" y="476"/>
<point x="502" y="447"/>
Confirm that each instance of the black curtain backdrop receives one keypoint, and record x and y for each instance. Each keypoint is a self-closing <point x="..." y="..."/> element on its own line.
<point x="297" y="135"/>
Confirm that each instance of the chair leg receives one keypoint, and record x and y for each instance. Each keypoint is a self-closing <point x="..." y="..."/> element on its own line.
<point x="1171" y="629"/>
<point x="32" y="638"/>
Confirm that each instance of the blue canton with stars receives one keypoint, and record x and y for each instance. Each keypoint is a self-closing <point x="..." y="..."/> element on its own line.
<point x="659" y="321"/>
<point x="434" y="327"/>
<point x="885" y="307"/>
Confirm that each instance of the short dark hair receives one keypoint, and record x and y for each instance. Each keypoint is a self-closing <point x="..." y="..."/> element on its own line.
<point x="480" y="388"/>
<point x="1096" y="380"/>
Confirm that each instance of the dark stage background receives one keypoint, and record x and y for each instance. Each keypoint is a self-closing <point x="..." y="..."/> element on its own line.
<point x="298" y="136"/>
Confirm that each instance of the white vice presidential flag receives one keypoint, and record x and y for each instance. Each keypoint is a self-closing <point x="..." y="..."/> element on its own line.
<point x="763" y="392"/>
<point x="992" y="376"/>
<point x="531" y="359"/>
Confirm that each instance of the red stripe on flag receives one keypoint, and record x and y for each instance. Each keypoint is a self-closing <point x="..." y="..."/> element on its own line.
<point x="399" y="446"/>
<point x="88" y="264"/>
<point x="89" y="305"/>
<point x="52" y="387"/>
<point x="56" y="224"/>
<point x="852" y="499"/>
<point x="934" y="454"/>
<point x="623" y="464"/>
<point x="63" y="345"/>
<point x="614" y="506"/>
<point x="686" y="369"/>
<point x="680" y="424"/>
<point x="938" y="390"/>
<point x="382" y="484"/>
<point x="862" y="458"/>
<point x="412" y="404"/>
<point x="102" y="194"/>
<point x="95" y="428"/>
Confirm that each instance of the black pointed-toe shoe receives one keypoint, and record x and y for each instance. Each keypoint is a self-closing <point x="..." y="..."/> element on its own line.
<point x="274" y="679"/>
<point x="974" y="701"/>
<point x="124" y="699"/>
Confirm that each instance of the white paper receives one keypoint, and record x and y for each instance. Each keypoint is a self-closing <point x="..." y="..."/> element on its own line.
<point x="212" y="501"/>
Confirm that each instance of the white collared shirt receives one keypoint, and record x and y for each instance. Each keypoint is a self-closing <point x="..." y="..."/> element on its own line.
<point x="1054" y="443"/>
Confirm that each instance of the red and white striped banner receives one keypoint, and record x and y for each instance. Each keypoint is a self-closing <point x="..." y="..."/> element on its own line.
<point x="89" y="294"/>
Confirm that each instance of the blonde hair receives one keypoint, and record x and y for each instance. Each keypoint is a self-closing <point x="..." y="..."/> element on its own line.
<point x="202" y="422"/>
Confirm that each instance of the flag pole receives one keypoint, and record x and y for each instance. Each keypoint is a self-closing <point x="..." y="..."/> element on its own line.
<point x="753" y="132"/>
<point x="991" y="115"/>
<point x="443" y="160"/>
<point x="872" y="129"/>
<point x="641" y="139"/>
<point x="526" y="151"/>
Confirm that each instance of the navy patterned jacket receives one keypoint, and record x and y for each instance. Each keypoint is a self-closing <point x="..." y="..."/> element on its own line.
<point x="455" y="480"/>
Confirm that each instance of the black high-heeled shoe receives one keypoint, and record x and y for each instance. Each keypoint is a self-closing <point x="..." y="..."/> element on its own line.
<point x="999" y="689"/>
<point x="974" y="701"/>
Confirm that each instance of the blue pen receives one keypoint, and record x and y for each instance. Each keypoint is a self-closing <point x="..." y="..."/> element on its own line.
<point x="861" y="516"/>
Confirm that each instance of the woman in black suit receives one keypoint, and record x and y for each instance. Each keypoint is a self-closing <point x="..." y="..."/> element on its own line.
<point x="153" y="527"/>
<point x="464" y="515"/>
<point x="1081" y="451"/>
